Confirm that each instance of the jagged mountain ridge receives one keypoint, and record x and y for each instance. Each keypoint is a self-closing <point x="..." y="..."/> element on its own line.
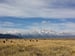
<point x="37" y="34"/>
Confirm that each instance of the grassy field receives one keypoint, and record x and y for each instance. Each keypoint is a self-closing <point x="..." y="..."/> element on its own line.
<point x="37" y="47"/>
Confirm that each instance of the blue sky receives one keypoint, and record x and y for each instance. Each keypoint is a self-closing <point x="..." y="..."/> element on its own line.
<point x="21" y="15"/>
<point x="13" y="24"/>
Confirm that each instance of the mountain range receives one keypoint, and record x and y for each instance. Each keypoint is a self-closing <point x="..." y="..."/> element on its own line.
<point x="37" y="34"/>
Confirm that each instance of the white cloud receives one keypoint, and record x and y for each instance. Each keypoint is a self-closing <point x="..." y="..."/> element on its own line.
<point x="44" y="25"/>
<point x="8" y="24"/>
<point x="58" y="27"/>
<point x="38" y="8"/>
<point x="11" y="30"/>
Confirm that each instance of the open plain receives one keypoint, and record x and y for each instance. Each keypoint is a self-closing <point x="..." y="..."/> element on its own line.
<point x="37" y="47"/>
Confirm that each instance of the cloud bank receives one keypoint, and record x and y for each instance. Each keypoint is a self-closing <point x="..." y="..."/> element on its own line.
<point x="38" y="8"/>
<point x="11" y="27"/>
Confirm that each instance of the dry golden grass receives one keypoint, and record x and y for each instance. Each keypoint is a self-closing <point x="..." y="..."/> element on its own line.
<point x="37" y="47"/>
